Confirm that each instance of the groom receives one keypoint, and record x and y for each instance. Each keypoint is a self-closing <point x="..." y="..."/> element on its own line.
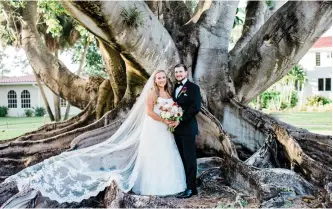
<point x="187" y="95"/>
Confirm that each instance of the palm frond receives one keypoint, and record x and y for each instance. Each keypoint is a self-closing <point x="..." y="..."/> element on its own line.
<point x="132" y="17"/>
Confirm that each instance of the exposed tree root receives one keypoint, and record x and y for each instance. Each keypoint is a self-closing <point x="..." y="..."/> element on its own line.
<point x="222" y="183"/>
<point x="317" y="146"/>
<point x="212" y="139"/>
<point x="6" y="191"/>
<point x="225" y="181"/>
<point x="315" y="169"/>
<point x="266" y="156"/>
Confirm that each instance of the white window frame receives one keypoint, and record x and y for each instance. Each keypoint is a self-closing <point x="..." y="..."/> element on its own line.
<point x="330" y="85"/>
<point x="324" y="84"/>
<point x="12" y="99"/>
<point x="25" y="99"/>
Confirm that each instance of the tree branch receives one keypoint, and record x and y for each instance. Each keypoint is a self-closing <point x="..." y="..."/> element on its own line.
<point x="50" y="69"/>
<point x="173" y="16"/>
<point x="116" y="70"/>
<point x="257" y="12"/>
<point x="271" y="10"/>
<point x="201" y="7"/>
<point x="254" y="19"/>
<point x="211" y="69"/>
<point x="143" y="41"/>
<point x="279" y="44"/>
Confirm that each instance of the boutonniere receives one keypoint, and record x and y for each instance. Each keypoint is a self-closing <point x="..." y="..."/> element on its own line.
<point x="183" y="91"/>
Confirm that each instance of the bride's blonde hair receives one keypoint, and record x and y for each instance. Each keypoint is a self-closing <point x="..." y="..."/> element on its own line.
<point x="167" y="86"/>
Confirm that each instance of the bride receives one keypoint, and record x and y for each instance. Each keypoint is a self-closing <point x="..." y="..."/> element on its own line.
<point x="141" y="156"/>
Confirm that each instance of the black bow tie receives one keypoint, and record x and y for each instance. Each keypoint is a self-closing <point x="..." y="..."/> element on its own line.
<point x="178" y="84"/>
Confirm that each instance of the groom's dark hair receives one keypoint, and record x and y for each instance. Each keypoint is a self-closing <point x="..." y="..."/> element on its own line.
<point x="181" y="65"/>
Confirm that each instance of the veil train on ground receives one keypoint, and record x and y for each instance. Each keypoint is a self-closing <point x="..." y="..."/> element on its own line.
<point x="80" y="174"/>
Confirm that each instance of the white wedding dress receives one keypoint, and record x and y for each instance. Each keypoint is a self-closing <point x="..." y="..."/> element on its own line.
<point x="140" y="156"/>
<point x="160" y="168"/>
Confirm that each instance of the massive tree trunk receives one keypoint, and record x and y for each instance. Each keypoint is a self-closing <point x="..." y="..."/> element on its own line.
<point x="47" y="105"/>
<point x="79" y="71"/>
<point x="256" y="158"/>
<point x="57" y="110"/>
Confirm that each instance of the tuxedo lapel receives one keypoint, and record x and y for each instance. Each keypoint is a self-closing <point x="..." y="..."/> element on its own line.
<point x="178" y="95"/>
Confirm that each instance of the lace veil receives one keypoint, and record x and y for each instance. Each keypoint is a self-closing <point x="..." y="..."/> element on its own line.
<point x="79" y="174"/>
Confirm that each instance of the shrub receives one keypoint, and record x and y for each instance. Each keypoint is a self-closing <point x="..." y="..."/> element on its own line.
<point x="39" y="111"/>
<point x="321" y="108"/>
<point x="3" y="111"/>
<point x="283" y="106"/>
<point x="294" y="99"/>
<point x="28" y="112"/>
<point x="268" y="96"/>
<point x="317" y="100"/>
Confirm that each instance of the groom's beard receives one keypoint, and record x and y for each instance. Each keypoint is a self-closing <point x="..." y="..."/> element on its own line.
<point x="181" y="80"/>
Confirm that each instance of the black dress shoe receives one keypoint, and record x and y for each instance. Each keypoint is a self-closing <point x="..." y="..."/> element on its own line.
<point x="187" y="193"/>
<point x="180" y="193"/>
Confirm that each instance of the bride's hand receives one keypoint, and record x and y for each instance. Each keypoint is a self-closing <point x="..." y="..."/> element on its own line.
<point x="166" y="121"/>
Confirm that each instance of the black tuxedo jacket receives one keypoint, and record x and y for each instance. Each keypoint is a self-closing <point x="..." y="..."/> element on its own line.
<point x="190" y="101"/>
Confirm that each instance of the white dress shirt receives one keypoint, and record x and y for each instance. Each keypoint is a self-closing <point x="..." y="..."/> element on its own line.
<point x="180" y="87"/>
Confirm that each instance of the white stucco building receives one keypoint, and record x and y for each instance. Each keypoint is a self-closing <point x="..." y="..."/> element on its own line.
<point x="20" y="93"/>
<point x="317" y="63"/>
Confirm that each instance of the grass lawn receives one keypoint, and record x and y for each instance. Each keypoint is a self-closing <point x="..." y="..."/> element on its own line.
<point x="317" y="122"/>
<point x="13" y="126"/>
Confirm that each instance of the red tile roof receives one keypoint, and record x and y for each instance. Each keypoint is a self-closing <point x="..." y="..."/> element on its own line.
<point x="323" y="42"/>
<point x="19" y="79"/>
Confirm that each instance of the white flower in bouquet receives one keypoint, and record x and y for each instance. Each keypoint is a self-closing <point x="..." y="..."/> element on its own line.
<point x="167" y="115"/>
<point x="174" y="110"/>
<point x="171" y="112"/>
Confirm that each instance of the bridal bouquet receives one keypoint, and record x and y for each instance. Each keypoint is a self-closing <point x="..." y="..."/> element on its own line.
<point x="171" y="112"/>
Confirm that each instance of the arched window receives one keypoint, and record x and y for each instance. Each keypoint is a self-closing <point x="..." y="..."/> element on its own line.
<point x="12" y="99"/>
<point x="25" y="99"/>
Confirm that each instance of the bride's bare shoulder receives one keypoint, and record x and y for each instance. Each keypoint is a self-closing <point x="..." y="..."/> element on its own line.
<point x="151" y="94"/>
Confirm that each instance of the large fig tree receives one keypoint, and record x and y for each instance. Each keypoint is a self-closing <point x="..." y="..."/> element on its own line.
<point x="253" y="152"/>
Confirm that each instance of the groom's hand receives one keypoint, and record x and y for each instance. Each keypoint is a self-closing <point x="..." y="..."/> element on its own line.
<point x="168" y="122"/>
